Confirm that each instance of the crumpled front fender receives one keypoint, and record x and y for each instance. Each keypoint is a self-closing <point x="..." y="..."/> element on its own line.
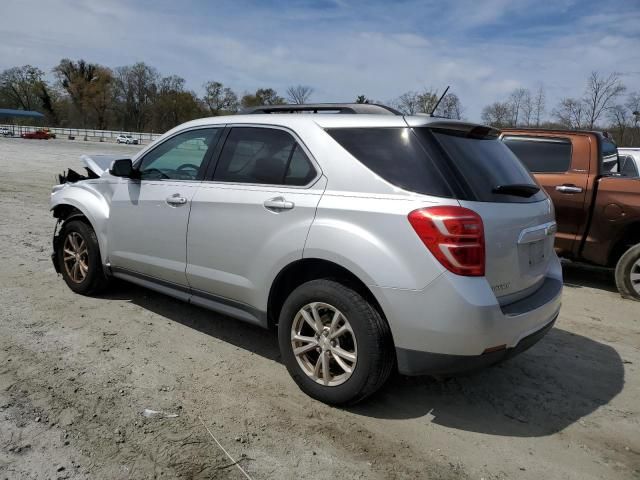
<point x="84" y="197"/>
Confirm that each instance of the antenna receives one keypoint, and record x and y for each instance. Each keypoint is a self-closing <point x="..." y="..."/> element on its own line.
<point x="439" y="100"/>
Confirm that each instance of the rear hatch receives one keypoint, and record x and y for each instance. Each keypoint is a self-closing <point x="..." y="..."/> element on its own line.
<point x="517" y="215"/>
<point x="467" y="162"/>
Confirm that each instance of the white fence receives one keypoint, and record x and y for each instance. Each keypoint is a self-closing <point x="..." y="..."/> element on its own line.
<point x="83" y="133"/>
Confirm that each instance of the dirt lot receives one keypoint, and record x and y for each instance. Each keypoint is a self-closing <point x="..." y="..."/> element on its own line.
<point x="77" y="373"/>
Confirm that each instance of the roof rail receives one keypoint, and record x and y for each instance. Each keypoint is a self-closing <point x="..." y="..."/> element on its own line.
<point x="359" y="108"/>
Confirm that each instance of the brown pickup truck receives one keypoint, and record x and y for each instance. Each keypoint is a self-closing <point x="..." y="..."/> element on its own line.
<point x="597" y="209"/>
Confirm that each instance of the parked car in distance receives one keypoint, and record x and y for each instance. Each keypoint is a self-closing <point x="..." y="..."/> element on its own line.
<point x="128" y="139"/>
<point x="42" y="134"/>
<point x="629" y="162"/>
<point x="5" y="132"/>
<point x="372" y="241"/>
<point x="597" y="204"/>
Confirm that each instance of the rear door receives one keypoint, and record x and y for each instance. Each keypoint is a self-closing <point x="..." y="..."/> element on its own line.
<point x="252" y="215"/>
<point x="561" y="166"/>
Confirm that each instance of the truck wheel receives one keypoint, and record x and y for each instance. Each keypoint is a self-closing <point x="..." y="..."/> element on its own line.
<point x="628" y="274"/>
<point x="334" y="343"/>
<point x="79" y="258"/>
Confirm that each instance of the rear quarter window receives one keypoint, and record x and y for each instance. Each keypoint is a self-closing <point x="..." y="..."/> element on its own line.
<point x="396" y="155"/>
<point x="542" y="155"/>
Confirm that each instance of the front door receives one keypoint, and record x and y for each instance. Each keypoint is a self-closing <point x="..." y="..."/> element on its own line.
<point x="149" y="215"/>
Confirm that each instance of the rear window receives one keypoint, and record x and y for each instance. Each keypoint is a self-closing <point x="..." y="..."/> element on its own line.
<point x="439" y="162"/>
<point x="542" y="155"/>
<point x="485" y="163"/>
<point x="396" y="155"/>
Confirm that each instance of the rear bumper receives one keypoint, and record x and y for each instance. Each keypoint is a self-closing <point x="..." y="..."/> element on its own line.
<point x="456" y="320"/>
<point x="413" y="362"/>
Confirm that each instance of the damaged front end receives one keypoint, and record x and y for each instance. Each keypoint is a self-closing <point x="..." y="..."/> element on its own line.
<point x="75" y="193"/>
<point x="95" y="166"/>
<point x="71" y="176"/>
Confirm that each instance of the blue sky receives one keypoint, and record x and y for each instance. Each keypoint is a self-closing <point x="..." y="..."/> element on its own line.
<point x="341" y="48"/>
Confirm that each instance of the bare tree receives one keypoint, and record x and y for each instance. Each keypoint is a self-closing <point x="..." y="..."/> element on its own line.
<point x="221" y="100"/>
<point x="427" y="100"/>
<point x="450" y="107"/>
<point x="539" y="105"/>
<point x="136" y="87"/>
<point x="408" y="103"/>
<point x="516" y="99"/>
<point x="299" y="94"/>
<point x="600" y="94"/>
<point x="498" y="114"/>
<point x="633" y="104"/>
<point x="571" y="113"/>
<point x="621" y="118"/>
<point x="527" y="109"/>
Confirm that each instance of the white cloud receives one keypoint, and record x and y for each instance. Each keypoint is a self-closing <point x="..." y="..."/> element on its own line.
<point x="482" y="49"/>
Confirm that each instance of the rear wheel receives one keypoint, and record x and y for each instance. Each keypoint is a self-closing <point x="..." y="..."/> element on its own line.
<point x="628" y="274"/>
<point x="334" y="343"/>
<point x="79" y="258"/>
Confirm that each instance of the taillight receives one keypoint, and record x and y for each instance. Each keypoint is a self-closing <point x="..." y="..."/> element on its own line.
<point x="454" y="235"/>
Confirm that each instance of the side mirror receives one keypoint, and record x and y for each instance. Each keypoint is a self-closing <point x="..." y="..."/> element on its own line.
<point x="122" y="168"/>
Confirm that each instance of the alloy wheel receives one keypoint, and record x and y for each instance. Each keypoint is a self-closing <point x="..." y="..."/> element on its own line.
<point x="324" y="344"/>
<point x="75" y="257"/>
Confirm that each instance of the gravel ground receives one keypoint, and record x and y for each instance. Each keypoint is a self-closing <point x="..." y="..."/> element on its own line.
<point x="77" y="373"/>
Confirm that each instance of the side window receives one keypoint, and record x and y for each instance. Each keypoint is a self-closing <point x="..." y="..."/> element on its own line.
<point x="180" y="157"/>
<point x="264" y="156"/>
<point x="628" y="166"/>
<point x="542" y="155"/>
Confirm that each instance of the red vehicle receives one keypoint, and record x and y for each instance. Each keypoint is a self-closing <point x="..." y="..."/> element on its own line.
<point x="43" y="134"/>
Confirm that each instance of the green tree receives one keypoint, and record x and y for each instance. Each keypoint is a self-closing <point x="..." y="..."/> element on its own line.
<point x="263" y="96"/>
<point x="221" y="100"/>
<point x="75" y="78"/>
<point x="20" y="87"/>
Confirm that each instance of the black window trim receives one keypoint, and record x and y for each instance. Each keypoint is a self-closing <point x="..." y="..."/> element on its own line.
<point x="204" y="166"/>
<point x="542" y="138"/>
<point x="218" y="152"/>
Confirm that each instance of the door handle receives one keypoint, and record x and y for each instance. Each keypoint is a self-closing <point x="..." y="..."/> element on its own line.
<point x="278" y="203"/>
<point x="176" y="199"/>
<point x="568" y="189"/>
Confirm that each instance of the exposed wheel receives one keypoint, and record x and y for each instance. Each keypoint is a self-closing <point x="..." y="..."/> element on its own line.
<point x="334" y="343"/>
<point x="628" y="274"/>
<point x="79" y="258"/>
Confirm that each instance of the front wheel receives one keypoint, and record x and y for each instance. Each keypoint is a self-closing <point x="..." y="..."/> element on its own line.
<point x="79" y="259"/>
<point x="628" y="274"/>
<point x="334" y="343"/>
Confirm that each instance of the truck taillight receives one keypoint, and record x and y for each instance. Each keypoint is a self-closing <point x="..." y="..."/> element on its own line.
<point x="454" y="235"/>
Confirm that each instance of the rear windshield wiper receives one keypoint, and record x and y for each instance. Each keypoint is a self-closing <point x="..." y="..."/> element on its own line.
<point x="517" y="189"/>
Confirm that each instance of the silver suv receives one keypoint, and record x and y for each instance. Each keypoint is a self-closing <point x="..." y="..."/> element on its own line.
<point x="374" y="241"/>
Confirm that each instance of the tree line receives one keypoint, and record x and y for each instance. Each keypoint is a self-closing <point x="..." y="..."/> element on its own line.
<point x="129" y="98"/>
<point x="139" y="98"/>
<point x="605" y="103"/>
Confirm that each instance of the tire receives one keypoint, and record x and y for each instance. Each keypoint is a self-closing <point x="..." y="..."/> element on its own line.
<point x="87" y="281"/>
<point x="628" y="274"/>
<point x="369" y="337"/>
